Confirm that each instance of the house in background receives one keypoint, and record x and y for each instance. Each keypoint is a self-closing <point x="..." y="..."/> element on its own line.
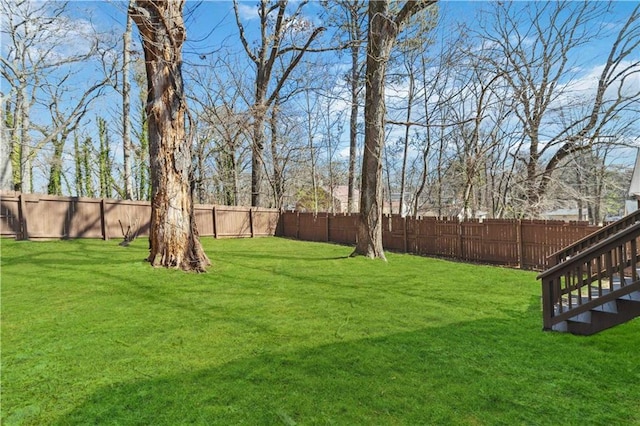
<point x="634" y="188"/>
<point x="341" y="198"/>
<point x="566" y="214"/>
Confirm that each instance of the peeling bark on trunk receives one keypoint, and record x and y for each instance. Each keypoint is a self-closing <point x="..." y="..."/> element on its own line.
<point x="173" y="237"/>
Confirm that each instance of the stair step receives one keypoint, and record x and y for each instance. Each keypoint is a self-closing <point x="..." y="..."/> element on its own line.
<point x="561" y="327"/>
<point x="615" y="281"/>
<point x="611" y="307"/>
<point x="584" y="317"/>
<point x="632" y="296"/>
<point x="599" y="320"/>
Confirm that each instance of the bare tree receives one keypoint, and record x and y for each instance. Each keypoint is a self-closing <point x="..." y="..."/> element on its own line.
<point x="351" y="19"/>
<point x="533" y="46"/>
<point x="412" y="45"/>
<point x="384" y="28"/>
<point x="275" y="25"/>
<point x="173" y="236"/>
<point x="220" y="95"/>
<point x="127" y="148"/>
<point x="36" y="64"/>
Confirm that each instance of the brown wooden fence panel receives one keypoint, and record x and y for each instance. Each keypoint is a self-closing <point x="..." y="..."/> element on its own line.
<point x="312" y="227"/>
<point x="9" y="215"/>
<point x="527" y="243"/>
<point x="265" y="222"/>
<point x="413" y="228"/>
<point x="48" y="216"/>
<point x="342" y="228"/>
<point x="84" y="219"/>
<point x="471" y="240"/>
<point x="233" y="221"/>
<point x="47" y="219"/>
<point x="203" y="214"/>
<point x="289" y="224"/>
<point x="534" y="238"/>
<point x="393" y="232"/>
<point x="542" y="238"/>
<point x="438" y="237"/>
<point x="502" y="239"/>
<point x="120" y="215"/>
<point x="62" y="217"/>
<point x="492" y="241"/>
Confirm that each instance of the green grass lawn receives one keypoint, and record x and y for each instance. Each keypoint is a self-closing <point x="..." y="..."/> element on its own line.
<point x="288" y="332"/>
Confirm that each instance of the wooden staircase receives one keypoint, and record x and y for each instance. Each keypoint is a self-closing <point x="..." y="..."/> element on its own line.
<point x="594" y="284"/>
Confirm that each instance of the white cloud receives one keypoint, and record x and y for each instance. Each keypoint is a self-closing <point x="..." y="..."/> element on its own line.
<point x="247" y="12"/>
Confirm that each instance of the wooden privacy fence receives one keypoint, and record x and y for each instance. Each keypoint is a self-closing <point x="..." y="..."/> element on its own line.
<point x="523" y="243"/>
<point x="34" y="216"/>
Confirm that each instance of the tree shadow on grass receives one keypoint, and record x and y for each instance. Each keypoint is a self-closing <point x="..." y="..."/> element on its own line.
<point x="72" y="253"/>
<point x="251" y="256"/>
<point x="480" y="372"/>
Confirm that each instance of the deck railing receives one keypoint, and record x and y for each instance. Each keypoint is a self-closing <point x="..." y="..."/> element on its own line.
<point x="588" y="241"/>
<point x="586" y="278"/>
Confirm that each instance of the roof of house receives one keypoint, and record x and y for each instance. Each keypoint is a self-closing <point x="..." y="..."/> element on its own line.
<point x="564" y="212"/>
<point x="341" y="193"/>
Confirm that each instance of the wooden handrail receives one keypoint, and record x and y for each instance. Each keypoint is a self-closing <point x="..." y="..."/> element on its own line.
<point x="600" y="262"/>
<point x="593" y="238"/>
<point x="594" y="251"/>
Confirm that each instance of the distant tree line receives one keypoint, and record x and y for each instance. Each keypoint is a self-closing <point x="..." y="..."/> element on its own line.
<point x="496" y="118"/>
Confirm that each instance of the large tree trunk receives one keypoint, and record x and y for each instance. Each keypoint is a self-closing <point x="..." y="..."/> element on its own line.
<point x="382" y="33"/>
<point x="257" y="163"/>
<point x="173" y="237"/>
<point x="55" y="167"/>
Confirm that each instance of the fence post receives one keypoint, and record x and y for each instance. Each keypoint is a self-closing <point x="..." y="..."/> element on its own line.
<point x="103" y="220"/>
<point x="417" y="220"/>
<point x="405" y="234"/>
<point x="297" y="225"/>
<point x="22" y="217"/>
<point x="520" y="244"/>
<point x="460" y="241"/>
<point x="215" y="222"/>
<point x="327" y="223"/>
<point x="251" y="221"/>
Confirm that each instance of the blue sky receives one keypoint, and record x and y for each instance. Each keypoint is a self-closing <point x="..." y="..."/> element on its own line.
<point x="212" y="25"/>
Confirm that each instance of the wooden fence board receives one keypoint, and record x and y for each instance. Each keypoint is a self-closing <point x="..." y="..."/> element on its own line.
<point x="233" y="221"/>
<point x="312" y="227"/>
<point x="53" y="217"/>
<point x="527" y="243"/>
<point x="265" y="222"/>
<point x="342" y="228"/>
